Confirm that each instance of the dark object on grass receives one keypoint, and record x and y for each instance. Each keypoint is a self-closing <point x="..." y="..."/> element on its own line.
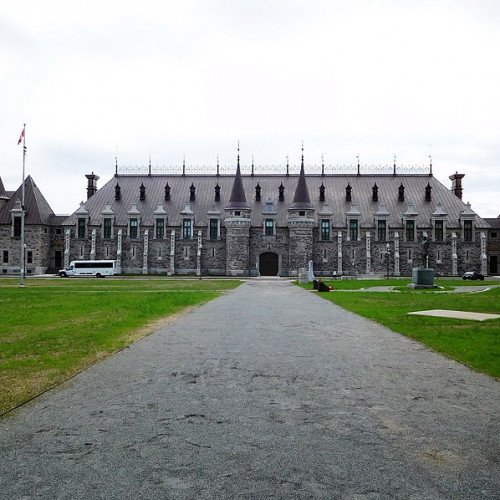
<point x="323" y="288"/>
<point x="315" y="284"/>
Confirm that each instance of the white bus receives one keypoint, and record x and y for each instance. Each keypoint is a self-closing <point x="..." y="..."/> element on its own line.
<point x="97" y="268"/>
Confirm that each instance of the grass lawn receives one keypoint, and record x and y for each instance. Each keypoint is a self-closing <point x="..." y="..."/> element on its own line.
<point x="474" y="343"/>
<point x="54" y="328"/>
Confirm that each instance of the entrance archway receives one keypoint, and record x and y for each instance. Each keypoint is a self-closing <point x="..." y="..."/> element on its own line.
<point x="268" y="264"/>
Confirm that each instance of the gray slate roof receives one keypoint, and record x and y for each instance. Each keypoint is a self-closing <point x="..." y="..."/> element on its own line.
<point x="335" y="202"/>
<point x="38" y="211"/>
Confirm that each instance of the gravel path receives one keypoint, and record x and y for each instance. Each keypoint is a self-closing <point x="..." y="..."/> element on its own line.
<point x="267" y="392"/>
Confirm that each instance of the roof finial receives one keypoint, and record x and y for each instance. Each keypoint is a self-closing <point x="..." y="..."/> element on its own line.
<point x="430" y="160"/>
<point x="322" y="165"/>
<point x="287" y="167"/>
<point x="238" y="152"/>
<point x="183" y="164"/>
<point x="357" y="156"/>
<point x="252" y="166"/>
<point x="116" y="166"/>
<point x="149" y="173"/>
<point x="302" y="164"/>
<point x="217" y="165"/>
<point x="394" y="171"/>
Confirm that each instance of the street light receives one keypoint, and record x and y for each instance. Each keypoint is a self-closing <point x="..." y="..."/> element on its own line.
<point x="388" y="257"/>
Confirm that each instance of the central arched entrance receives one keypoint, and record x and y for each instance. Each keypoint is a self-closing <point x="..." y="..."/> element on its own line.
<point x="268" y="264"/>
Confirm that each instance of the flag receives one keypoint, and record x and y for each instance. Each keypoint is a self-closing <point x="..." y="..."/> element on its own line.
<point x="21" y="136"/>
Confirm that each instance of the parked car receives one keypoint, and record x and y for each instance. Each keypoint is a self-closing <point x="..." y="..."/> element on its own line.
<point x="473" y="275"/>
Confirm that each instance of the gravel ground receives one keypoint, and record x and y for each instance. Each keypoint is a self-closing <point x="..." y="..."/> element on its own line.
<point x="267" y="392"/>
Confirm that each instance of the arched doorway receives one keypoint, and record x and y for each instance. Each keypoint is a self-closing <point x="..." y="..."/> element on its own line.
<point x="268" y="264"/>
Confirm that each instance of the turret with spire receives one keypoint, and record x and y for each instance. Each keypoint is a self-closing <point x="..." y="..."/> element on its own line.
<point x="300" y="224"/>
<point x="237" y="223"/>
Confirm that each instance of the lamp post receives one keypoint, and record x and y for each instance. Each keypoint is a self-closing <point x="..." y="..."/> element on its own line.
<point x="388" y="257"/>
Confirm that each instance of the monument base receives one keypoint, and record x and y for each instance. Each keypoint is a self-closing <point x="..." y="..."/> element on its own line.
<point x="422" y="277"/>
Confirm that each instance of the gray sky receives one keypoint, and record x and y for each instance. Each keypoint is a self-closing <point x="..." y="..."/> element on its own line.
<point x="99" y="79"/>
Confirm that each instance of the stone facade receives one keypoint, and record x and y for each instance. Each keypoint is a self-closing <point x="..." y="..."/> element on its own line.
<point x="209" y="233"/>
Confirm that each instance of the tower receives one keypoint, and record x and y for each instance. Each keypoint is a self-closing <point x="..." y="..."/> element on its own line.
<point x="300" y="224"/>
<point x="237" y="223"/>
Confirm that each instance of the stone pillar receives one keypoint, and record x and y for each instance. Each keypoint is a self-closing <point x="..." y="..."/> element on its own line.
<point x="454" y="255"/>
<point x="146" y="251"/>
<point x="237" y="245"/>
<point x="92" y="247"/>
<point x="171" y="270"/>
<point x="484" y="258"/>
<point x="368" y="253"/>
<point x="339" y="253"/>
<point x="67" y="239"/>
<point x="198" y="254"/>
<point x="119" y="252"/>
<point x="397" y="271"/>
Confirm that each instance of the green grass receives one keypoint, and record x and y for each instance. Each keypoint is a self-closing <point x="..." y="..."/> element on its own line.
<point x="474" y="343"/>
<point x="54" y="328"/>
<point x="400" y="282"/>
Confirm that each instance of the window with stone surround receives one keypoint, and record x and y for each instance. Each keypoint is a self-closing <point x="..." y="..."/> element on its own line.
<point x="187" y="225"/>
<point x="5" y="257"/>
<point x="467" y="230"/>
<point x="29" y="256"/>
<point x="159" y="229"/>
<point x="353" y="229"/>
<point x="381" y="230"/>
<point x="214" y="229"/>
<point x="107" y="228"/>
<point x="325" y="230"/>
<point x="438" y="230"/>
<point x="133" y="228"/>
<point x="269" y="227"/>
<point x="17" y="227"/>
<point x="81" y="228"/>
<point x="410" y="230"/>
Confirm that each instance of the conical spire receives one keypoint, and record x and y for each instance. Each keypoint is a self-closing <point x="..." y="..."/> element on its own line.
<point x="301" y="200"/>
<point x="238" y="199"/>
<point x="3" y="193"/>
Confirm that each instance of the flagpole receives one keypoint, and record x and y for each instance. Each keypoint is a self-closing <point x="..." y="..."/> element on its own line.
<point x="23" y="252"/>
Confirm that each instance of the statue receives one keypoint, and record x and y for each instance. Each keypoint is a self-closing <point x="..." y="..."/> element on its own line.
<point x="425" y="252"/>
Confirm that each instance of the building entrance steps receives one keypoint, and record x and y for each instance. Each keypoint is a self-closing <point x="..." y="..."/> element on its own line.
<point x="266" y="392"/>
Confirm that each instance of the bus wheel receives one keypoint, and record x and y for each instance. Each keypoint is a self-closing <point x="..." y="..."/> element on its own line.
<point x="98" y="275"/>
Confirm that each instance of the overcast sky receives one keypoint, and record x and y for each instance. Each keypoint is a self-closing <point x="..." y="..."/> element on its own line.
<point x="98" y="79"/>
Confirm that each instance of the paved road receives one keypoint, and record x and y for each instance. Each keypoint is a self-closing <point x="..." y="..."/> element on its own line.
<point x="267" y="392"/>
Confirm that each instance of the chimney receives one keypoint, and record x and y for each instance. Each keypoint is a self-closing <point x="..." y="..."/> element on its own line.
<point x="456" y="184"/>
<point x="92" y="185"/>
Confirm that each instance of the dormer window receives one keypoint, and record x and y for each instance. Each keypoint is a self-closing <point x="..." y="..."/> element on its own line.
<point x="468" y="230"/>
<point x="302" y="213"/>
<point x="237" y="213"/>
<point x="214" y="224"/>
<point x="187" y="229"/>
<point x="353" y="229"/>
<point x="325" y="230"/>
<point x="192" y="192"/>
<point x="17" y="226"/>
<point x="348" y="193"/>
<point x="375" y="192"/>
<point x="159" y="228"/>
<point x="82" y="224"/>
<point x="438" y="230"/>
<point x="381" y="230"/>
<point x="217" y="192"/>
<point x="269" y="227"/>
<point x="133" y="227"/>
<point x="107" y="227"/>
<point x="142" y="192"/>
<point x="410" y="230"/>
<point x="167" y="192"/>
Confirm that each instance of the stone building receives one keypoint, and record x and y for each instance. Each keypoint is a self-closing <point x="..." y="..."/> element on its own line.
<point x="44" y="240"/>
<point x="255" y="224"/>
<point x="251" y="224"/>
